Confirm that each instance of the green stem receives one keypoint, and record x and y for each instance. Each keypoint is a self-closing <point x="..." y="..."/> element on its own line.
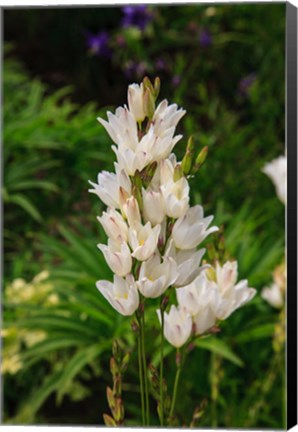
<point x="145" y="369"/>
<point x="141" y="372"/>
<point x="161" y="368"/>
<point x="178" y="372"/>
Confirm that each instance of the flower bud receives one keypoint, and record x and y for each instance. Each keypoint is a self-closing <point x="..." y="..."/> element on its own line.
<point x="114" y="367"/>
<point x="118" y="411"/>
<point x="187" y="159"/>
<point x="125" y="362"/>
<point x="156" y="87"/>
<point x="110" y="398"/>
<point x="117" y="389"/>
<point x="149" y="104"/>
<point x="109" y="421"/>
<point x="178" y="172"/>
<point x="200" y="159"/>
<point x="135" y="101"/>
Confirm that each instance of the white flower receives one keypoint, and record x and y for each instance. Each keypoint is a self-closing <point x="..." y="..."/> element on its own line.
<point x="122" y="294"/>
<point x="229" y="296"/>
<point x="153" y="206"/>
<point x="276" y="170"/>
<point x="122" y="128"/>
<point x="114" y="225"/>
<point x="132" y="211"/>
<point x="135" y="97"/>
<point x="191" y="229"/>
<point x="177" y="326"/>
<point x="197" y="298"/>
<point x="118" y="256"/>
<point x="176" y="197"/>
<point x="273" y="295"/>
<point x="143" y="240"/>
<point x="131" y="160"/>
<point x="188" y="263"/>
<point x="158" y="147"/>
<point x="109" y="185"/>
<point x="166" y="117"/>
<point x="155" y="277"/>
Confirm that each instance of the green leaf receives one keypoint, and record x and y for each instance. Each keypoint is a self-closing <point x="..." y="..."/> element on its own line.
<point x="219" y="347"/>
<point x="77" y="363"/>
<point x="26" y="204"/>
<point x="259" y="332"/>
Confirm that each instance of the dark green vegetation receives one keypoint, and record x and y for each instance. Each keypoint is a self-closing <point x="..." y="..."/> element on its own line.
<point x="58" y="330"/>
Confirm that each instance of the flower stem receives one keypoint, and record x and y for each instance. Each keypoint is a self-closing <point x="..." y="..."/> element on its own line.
<point x="178" y="372"/>
<point x="161" y="368"/>
<point x="141" y="372"/>
<point x="145" y="369"/>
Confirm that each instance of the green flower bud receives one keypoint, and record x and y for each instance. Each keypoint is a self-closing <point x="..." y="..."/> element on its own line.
<point x="178" y="173"/>
<point x="156" y="87"/>
<point x="109" y="421"/>
<point x="200" y="159"/>
<point x="149" y="103"/>
<point x="188" y="157"/>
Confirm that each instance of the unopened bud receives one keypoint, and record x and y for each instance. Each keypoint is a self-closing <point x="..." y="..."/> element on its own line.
<point x="116" y="350"/>
<point x="188" y="157"/>
<point x="110" y="398"/>
<point x="117" y="388"/>
<point x="200" y="159"/>
<point x="178" y="172"/>
<point x="147" y="84"/>
<point x="156" y="87"/>
<point x="149" y="103"/>
<point x="125" y="362"/>
<point x="118" y="411"/>
<point x="113" y="367"/>
<point x="109" y="421"/>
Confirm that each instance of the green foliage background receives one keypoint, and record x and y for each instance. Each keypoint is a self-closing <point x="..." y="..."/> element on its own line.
<point x="57" y="329"/>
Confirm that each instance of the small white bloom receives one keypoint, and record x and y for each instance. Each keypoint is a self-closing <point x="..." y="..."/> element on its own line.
<point x="273" y="295"/>
<point x="122" y="294"/>
<point x="176" y="197"/>
<point x="188" y="263"/>
<point x="109" y="185"/>
<point x="118" y="256"/>
<point x="166" y="117"/>
<point x="122" y="128"/>
<point x="114" y="225"/>
<point x="153" y="206"/>
<point x="143" y="240"/>
<point x="135" y="97"/>
<point x="131" y="160"/>
<point x="197" y="298"/>
<point x="229" y="296"/>
<point x="276" y="170"/>
<point x="132" y="211"/>
<point x="177" y="326"/>
<point x="158" y="147"/>
<point x="191" y="229"/>
<point x="155" y="277"/>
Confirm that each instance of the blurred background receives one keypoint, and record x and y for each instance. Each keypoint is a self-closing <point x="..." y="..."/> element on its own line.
<point x="63" y="67"/>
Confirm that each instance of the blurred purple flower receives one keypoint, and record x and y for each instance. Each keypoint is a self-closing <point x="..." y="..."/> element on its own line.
<point x="205" y="38"/>
<point x="246" y="83"/>
<point x="135" y="69"/>
<point x="136" y="16"/>
<point x="98" y="44"/>
<point x="160" y="64"/>
<point x="176" y="80"/>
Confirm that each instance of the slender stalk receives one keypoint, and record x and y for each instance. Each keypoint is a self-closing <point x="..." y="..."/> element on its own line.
<point x="145" y="370"/>
<point x="178" y="372"/>
<point x="161" y="368"/>
<point x="141" y="372"/>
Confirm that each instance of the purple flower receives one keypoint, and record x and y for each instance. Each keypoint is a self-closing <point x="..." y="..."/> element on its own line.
<point x="136" y="16"/>
<point x="98" y="44"/>
<point x="176" y="80"/>
<point x="246" y="83"/>
<point x="160" y="64"/>
<point x="135" y="69"/>
<point x="205" y="38"/>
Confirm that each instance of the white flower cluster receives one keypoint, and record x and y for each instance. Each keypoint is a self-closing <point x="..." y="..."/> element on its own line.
<point x="211" y="297"/>
<point x="153" y="233"/>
